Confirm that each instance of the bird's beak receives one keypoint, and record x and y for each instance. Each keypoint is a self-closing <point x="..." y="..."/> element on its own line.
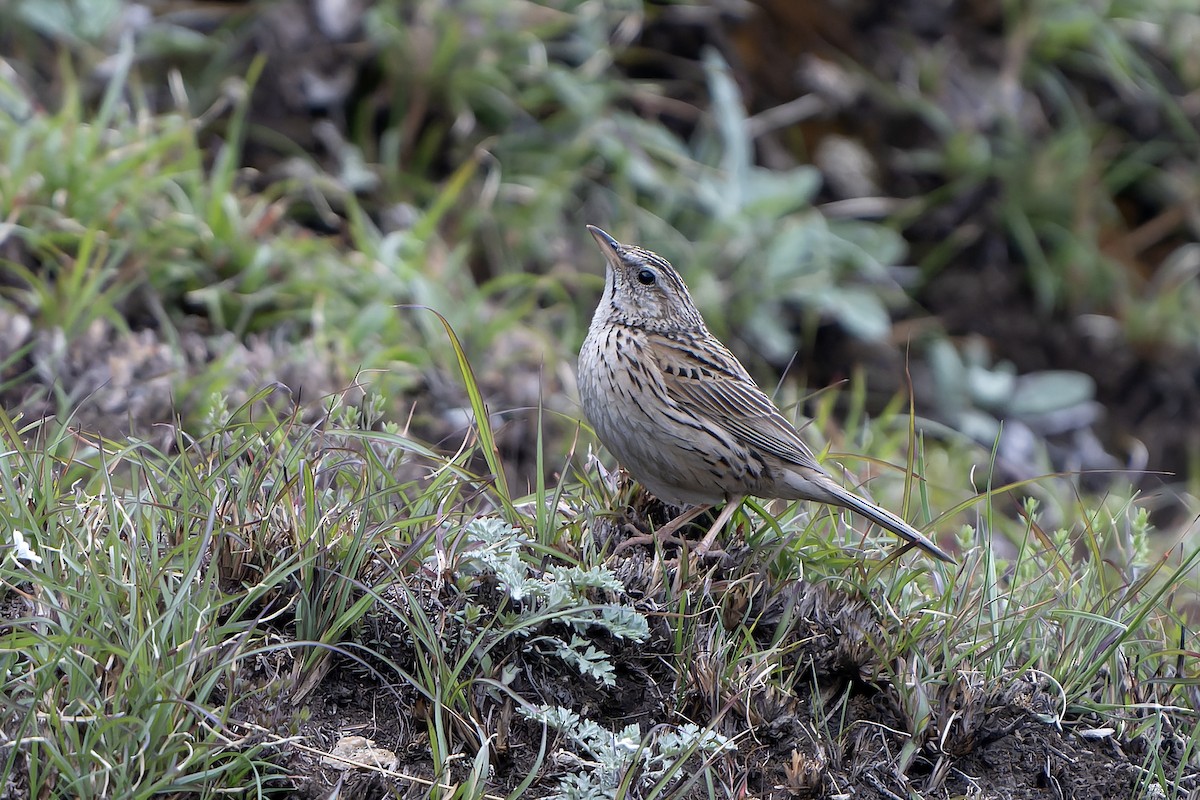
<point x="608" y="245"/>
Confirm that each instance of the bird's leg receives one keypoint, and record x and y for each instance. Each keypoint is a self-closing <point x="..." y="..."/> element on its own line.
<point x="731" y="507"/>
<point x="667" y="532"/>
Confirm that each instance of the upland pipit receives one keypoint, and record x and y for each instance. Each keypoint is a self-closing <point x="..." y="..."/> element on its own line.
<point x="681" y="413"/>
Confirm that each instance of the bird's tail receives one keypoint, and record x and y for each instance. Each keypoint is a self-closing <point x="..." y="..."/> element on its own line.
<point x="886" y="519"/>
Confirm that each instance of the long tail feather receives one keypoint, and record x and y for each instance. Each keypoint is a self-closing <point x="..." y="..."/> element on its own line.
<point x="886" y="519"/>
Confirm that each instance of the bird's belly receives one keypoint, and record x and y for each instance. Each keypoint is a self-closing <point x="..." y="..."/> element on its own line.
<point x="670" y="468"/>
<point x="677" y="458"/>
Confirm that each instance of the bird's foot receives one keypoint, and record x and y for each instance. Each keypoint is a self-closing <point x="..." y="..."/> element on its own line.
<point x="663" y="536"/>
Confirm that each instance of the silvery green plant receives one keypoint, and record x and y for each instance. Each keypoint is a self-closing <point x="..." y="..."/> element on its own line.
<point x="544" y="599"/>
<point x="605" y="757"/>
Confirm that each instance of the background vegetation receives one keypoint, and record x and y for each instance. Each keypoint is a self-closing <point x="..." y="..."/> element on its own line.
<point x="290" y="296"/>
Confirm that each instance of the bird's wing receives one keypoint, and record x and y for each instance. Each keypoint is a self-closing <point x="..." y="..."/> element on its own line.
<point x="700" y="374"/>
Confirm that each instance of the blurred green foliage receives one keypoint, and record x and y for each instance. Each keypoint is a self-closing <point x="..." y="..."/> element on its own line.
<point x="477" y="137"/>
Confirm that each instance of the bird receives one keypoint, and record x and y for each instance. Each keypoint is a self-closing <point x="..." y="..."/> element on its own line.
<point x="681" y="413"/>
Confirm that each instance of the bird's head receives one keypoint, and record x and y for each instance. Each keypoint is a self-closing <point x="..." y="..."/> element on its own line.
<point x="642" y="289"/>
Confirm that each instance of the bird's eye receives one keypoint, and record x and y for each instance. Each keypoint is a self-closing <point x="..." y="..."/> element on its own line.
<point x="645" y="277"/>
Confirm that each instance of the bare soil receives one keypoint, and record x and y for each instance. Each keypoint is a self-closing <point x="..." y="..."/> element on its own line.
<point x="1005" y="741"/>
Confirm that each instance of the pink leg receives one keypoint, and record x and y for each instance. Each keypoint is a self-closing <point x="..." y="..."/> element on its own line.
<point x="722" y="520"/>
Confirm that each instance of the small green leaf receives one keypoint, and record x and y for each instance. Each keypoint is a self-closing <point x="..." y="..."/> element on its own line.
<point x="773" y="194"/>
<point x="860" y="311"/>
<point x="771" y="336"/>
<point x="1040" y="392"/>
<point x="800" y="248"/>
<point x="863" y="248"/>
<point x="991" y="388"/>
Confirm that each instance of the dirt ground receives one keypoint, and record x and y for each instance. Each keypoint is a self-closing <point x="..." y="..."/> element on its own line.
<point x="999" y="742"/>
